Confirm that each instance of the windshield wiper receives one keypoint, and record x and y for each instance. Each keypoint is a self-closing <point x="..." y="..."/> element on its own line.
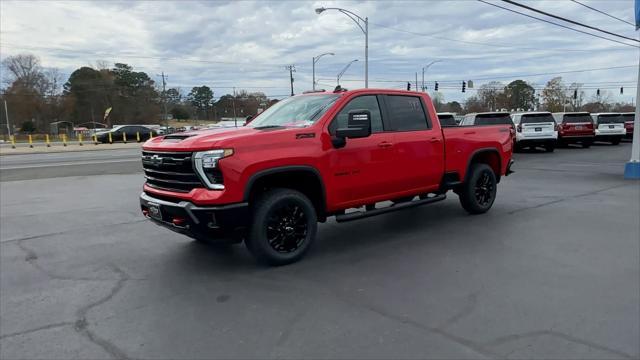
<point x="268" y="127"/>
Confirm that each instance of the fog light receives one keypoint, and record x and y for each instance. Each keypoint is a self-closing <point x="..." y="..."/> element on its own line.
<point x="178" y="221"/>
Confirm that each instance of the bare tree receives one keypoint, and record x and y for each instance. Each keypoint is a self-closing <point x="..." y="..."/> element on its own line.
<point x="23" y="68"/>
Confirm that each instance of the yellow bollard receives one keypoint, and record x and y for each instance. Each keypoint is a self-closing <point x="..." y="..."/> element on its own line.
<point x="46" y="140"/>
<point x="30" y="141"/>
<point x="124" y="137"/>
<point x="138" y="136"/>
<point x="150" y="135"/>
<point x="80" y="139"/>
<point x="64" y="139"/>
<point x="95" y="139"/>
<point x="110" y="138"/>
<point x="13" y="141"/>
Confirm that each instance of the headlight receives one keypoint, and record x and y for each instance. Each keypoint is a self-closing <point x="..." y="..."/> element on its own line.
<point x="206" y="164"/>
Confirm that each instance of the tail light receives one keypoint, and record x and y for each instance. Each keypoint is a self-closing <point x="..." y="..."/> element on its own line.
<point x="519" y="127"/>
<point x="590" y="126"/>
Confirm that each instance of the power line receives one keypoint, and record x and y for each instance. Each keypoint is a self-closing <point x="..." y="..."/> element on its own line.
<point x="603" y="13"/>
<point x="554" y="23"/>
<point x="506" y="46"/>
<point x="569" y="20"/>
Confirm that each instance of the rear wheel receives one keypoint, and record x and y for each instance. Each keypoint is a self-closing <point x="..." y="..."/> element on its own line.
<point x="549" y="147"/>
<point x="615" y="141"/>
<point x="586" y="144"/>
<point x="478" y="193"/>
<point x="283" y="227"/>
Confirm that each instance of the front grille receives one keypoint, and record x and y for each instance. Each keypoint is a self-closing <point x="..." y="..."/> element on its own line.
<point x="171" y="171"/>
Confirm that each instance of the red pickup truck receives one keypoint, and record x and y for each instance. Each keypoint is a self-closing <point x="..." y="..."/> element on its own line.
<point x="313" y="156"/>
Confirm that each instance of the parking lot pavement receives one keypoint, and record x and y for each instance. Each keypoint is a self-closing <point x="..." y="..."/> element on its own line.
<point x="552" y="271"/>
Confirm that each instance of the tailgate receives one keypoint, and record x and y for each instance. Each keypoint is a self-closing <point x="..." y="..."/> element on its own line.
<point x="538" y="129"/>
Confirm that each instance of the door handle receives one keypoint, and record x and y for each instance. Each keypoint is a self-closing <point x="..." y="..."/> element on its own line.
<point x="434" y="140"/>
<point x="469" y="132"/>
<point x="385" y="144"/>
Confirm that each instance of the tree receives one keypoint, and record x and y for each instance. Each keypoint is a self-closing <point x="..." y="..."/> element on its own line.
<point x="25" y="70"/>
<point x="179" y="112"/>
<point x="578" y="100"/>
<point x="473" y="105"/>
<point x="554" y="95"/>
<point x="28" y="127"/>
<point x="201" y="97"/>
<point x="491" y="95"/>
<point x="520" y="95"/>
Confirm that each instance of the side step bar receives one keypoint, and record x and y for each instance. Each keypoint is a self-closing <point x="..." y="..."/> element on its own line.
<point x="365" y="214"/>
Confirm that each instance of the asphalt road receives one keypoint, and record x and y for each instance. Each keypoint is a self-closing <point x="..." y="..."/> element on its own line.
<point x="78" y="163"/>
<point x="552" y="271"/>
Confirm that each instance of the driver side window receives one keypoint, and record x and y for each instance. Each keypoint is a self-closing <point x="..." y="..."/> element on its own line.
<point x="367" y="102"/>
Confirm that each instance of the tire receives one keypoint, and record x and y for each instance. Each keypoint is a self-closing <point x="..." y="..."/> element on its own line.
<point x="615" y="141"/>
<point x="517" y="148"/>
<point x="287" y="216"/>
<point x="586" y="145"/>
<point x="549" y="148"/>
<point x="482" y="178"/>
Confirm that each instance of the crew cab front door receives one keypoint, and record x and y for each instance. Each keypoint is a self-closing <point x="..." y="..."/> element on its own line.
<point x="418" y="146"/>
<point x="362" y="169"/>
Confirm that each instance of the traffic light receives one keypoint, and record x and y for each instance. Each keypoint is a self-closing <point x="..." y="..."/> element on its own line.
<point x="621" y="90"/>
<point x="575" y="94"/>
<point x="436" y="87"/>
<point x="464" y="86"/>
<point x="408" y="86"/>
<point x="598" y="92"/>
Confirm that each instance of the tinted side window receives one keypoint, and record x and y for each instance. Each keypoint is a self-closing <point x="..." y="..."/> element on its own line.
<point x="406" y="113"/>
<point x="493" y="119"/>
<point x="368" y="102"/>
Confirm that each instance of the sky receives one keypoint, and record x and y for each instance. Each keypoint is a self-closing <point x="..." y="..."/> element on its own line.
<point x="248" y="44"/>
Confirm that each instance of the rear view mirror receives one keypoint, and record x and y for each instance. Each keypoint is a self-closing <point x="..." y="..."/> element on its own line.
<point x="358" y="125"/>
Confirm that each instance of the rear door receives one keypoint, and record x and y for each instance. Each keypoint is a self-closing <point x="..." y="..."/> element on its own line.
<point x="611" y="124"/>
<point x="576" y="125"/>
<point x="538" y="126"/>
<point x="418" y="145"/>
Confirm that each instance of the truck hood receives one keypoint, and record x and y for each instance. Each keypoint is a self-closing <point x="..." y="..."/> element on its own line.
<point x="213" y="138"/>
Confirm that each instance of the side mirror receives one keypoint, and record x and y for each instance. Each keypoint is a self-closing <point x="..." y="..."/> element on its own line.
<point x="358" y="125"/>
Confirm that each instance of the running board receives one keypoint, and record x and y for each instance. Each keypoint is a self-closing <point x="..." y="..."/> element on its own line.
<point x="365" y="214"/>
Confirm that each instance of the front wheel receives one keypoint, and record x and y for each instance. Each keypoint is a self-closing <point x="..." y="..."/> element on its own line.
<point x="283" y="227"/>
<point x="478" y="193"/>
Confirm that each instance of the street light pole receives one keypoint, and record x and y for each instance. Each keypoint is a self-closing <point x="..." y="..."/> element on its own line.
<point x="6" y="114"/>
<point x="363" y="24"/>
<point x="424" y="69"/>
<point x="343" y="71"/>
<point x="632" y="168"/>
<point x="315" y="60"/>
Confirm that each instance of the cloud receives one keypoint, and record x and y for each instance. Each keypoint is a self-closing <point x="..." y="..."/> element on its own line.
<point x="246" y="44"/>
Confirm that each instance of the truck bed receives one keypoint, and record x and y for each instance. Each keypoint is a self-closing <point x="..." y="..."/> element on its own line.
<point x="463" y="142"/>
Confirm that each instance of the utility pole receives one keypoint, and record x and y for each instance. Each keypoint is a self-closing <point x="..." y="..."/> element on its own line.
<point x="291" y="69"/>
<point x="164" y="99"/>
<point x="6" y="114"/>
<point x="416" y="81"/>
<point x="235" y="117"/>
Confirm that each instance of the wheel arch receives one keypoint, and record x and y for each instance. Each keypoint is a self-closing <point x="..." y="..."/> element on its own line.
<point x="303" y="178"/>
<point x="489" y="156"/>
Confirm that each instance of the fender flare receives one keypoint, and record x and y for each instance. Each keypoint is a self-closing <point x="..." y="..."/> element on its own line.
<point x="483" y="151"/>
<point x="282" y="169"/>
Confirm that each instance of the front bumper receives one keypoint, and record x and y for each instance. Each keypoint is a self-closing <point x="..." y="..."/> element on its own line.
<point x="221" y="222"/>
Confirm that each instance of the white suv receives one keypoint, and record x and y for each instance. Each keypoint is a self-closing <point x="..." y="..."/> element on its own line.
<point x="535" y="129"/>
<point x="609" y="127"/>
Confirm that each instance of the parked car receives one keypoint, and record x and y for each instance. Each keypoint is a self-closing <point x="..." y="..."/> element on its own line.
<point x="535" y="129"/>
<point x="318" y="155"/>
<point x="447" y="119"/>
<point x="575" y="128"/>
<point x="130" y="133"/>
<point x="487" y="118"/>
<point x="609" y="127"/>
<point x="628" y="123"/>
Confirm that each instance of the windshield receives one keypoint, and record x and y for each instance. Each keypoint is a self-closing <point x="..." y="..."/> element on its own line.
<point x="576" y="118"/>
<point x="447" y="120"/>
<point x="295" y="111"/>
<point x="493" y="119"/>
<point x="536" y="118"/>
<point x="610" y="119"/>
